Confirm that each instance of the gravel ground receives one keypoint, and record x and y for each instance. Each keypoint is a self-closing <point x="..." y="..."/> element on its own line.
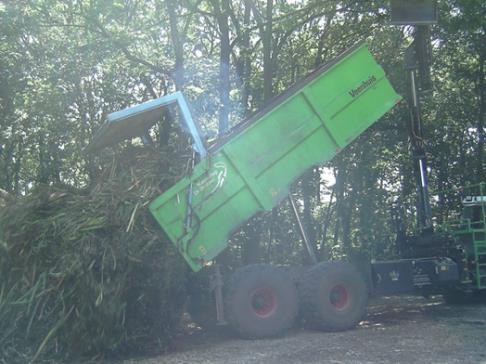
<point x="396" y="330"/>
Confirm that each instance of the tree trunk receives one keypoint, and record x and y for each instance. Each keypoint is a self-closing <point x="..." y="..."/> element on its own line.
<point x="346" y="220"/>
<point x="307" y="192"/>
<point x="267" y="53"/>
<point x="480" y="124"/>
<point x="177" y="44"/>
<point x="246" y="64"/>
<point x="340" y="186"/>
<point x="324" y="250"/>
<point x="221" y="11"/>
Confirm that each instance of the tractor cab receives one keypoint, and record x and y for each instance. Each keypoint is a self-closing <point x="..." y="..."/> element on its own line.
<point x="474" y="210"/>
<point x="470" y="233"/>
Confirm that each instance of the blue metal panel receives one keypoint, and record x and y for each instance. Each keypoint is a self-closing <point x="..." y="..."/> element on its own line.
<point x="135" y="120"/>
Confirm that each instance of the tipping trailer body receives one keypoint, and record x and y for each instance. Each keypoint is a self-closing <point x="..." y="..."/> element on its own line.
<point x="252" y="169"/>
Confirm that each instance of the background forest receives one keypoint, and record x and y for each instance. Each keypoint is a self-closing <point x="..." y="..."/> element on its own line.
<point x="65" y="65"/>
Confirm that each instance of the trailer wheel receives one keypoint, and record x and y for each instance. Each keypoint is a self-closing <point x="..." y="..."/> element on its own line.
<point x="260" y="301"/>
<point x="333" y="296"/>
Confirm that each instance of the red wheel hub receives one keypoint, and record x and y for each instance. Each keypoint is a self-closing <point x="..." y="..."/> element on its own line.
<point x="339" y="296"/>
<point x="263" y="302"/>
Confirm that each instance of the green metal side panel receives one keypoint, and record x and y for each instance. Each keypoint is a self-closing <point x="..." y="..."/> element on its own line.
<point x="252" y="170"/>
<point x="471" y="233"/>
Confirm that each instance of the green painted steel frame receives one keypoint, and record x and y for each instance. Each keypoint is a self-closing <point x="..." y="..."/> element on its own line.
<point x="251" y="170"/>
<point x="476" y="231"/>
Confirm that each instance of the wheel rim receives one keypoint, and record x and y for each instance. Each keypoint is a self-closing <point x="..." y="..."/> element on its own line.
<point x="263" y="302"/>
<point x="339" y="296"/>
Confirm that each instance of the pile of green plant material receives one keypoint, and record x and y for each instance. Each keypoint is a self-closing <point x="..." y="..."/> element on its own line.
<point x="88" y="272"/>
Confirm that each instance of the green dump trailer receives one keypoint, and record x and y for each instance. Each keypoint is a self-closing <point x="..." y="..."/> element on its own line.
<point x="252" y="168"/>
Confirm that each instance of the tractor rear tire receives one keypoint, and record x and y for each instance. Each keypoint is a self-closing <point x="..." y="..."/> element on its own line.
<point x="333" y="296"/>
<point x="260" y="301"/>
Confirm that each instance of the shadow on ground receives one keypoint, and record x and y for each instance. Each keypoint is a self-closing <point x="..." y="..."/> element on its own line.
<point x="396" y="330"/>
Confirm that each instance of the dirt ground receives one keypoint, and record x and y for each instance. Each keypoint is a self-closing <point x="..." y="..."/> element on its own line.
<point x="396" y="330"/>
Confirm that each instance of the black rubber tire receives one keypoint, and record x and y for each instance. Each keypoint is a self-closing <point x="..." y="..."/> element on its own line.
<point x="333" y="296"/>
<point x="243" y="309"/>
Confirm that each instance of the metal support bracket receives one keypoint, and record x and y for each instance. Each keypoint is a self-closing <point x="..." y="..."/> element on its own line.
<point x="425" y="213"/>
<point x="308" y="246"/>
<point x="216" y="285"/>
